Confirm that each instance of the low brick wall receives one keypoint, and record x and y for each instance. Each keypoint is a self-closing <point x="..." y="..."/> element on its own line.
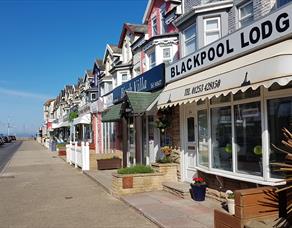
<point x="168" y="169"/>
<point x="132" y="183"/>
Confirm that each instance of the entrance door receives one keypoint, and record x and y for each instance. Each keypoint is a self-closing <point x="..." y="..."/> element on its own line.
<point x="190" y="142"/>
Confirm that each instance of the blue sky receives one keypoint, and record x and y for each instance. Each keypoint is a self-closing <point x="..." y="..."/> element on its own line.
<point x="46" y="44"/>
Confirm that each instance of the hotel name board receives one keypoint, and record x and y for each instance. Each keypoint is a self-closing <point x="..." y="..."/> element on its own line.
<point x="271" y="29"/>
<point x="151" y="80"/>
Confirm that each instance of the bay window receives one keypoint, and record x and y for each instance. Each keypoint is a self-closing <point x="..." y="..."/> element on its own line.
<point x="221" y="134"/>
<point x="248" y="138"/>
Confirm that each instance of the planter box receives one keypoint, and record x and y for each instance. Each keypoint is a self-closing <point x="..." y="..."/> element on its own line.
<point x="132" y="183"/>
<point x="168" y="169"/>
<point x="62" y="152"/>
<point x="113" y="163"/>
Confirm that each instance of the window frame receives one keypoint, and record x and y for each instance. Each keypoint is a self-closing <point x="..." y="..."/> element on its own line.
<point x="154" y="32"/>
<point x="240" y="19"/>
<point x="169" y="59"/>
<point x="263" y="98"/>
<point x="190" y="39"/>
<point x="151" y="64"/>
<point x="218" y="18"/>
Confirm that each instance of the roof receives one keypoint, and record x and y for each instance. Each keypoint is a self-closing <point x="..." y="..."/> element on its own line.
<point x="113" y="114"/>
<point x="150" y="6"/>
<point x="140" y="101"/>
<point x="115" y="49"/>
<point x="99" y="64"/>
<point x="48" y="102"/>
<point x="133" y="28"/>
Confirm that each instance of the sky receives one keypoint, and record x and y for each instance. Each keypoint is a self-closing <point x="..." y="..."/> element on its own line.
<point x="46" y="44"/>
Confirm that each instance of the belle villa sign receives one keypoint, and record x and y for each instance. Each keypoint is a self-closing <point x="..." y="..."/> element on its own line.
<point x="264" y="32"/>
<point x="149" y="81"/>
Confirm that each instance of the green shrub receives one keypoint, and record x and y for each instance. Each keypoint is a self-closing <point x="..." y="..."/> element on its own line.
<point x="61" y="145"/>
<point x="165" y="159"/>
<point x="136" y="169"/>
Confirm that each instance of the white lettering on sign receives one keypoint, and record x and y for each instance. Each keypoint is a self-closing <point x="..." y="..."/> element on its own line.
<point x="271" y="29"/>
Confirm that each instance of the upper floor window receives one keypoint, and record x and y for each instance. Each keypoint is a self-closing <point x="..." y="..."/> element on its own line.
<point x="124" y="77"/>
<point x="154" y="26"/>
<point x="212" y="29"/>
<point x="93" y="96"/>
<point x="282" y="2"/>
<point x="189" y="40"/>
<point x="245" y="14"/>
<point x="152" y="60"/>
<point x="166" y="55"/>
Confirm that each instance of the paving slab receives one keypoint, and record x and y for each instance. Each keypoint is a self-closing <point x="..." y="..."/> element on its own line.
<point x="47" y="192"/>
<point x="163" y="208"/>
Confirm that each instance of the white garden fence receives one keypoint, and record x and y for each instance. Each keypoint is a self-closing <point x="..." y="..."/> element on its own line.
<point x="78" y="155"/>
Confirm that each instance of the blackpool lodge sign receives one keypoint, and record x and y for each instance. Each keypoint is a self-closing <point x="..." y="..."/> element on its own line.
<point x="271" y="29"/>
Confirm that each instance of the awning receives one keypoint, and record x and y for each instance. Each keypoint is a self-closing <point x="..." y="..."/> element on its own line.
<point x="55" y="125"/>
<point x="112" y="114"/>
<point x="85" y="119"/>
<point x="262" y="68"/>
<point x="65" y="124"/>
<point x="140" y="101"/>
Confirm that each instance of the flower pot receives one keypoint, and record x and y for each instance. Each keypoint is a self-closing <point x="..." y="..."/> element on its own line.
<point x="198" y="192"/>
<point x="231" y="206"/>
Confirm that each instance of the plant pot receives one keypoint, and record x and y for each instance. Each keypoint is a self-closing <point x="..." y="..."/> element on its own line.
<point x="112" y="163"/>
<point x="231" y="206"/>
<point x="198" y="192"/>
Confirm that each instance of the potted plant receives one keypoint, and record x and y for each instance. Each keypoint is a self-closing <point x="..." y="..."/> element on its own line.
<point x="230" y="202"/>
<point x="198" y="189"/>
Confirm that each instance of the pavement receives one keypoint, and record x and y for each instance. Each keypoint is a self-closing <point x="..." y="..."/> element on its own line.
<point x="163" y="208"/>
<point x="37" y="189"/>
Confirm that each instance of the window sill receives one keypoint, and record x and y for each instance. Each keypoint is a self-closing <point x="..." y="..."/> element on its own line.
<point x="242" y="177"/>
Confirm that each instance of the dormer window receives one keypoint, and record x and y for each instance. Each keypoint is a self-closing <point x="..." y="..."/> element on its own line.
<point x="154" y="26"/>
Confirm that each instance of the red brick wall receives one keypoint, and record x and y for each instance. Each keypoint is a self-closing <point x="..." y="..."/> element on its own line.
<point x="174" y="129"/>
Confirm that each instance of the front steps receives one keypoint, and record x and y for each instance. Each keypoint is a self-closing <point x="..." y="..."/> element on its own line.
<point x="180" y="189"/>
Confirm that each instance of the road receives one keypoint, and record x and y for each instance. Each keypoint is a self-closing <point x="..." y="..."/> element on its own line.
<point x="38" y="189"/>
<point x="6" y="152"/>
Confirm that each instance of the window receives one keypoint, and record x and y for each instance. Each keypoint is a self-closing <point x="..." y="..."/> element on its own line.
<point x="124" y="77"/>
<point x="203" y="157"/>
<point x="221" y="134"/>
<point x="282" y="2"/>
<point x="154" y="26"/>
<point x="93" y="96"/>
<point x="191" y="129"/>
<point x="166" y="55"/>
<point x="279" y="116"/>
<point x="152" y="60"/>
<point x="245" y="13"/>
<point x="248" y="138"/>
<point x="212" y="30"/>
<point x="189" y="40"/>
<point x="137" y="71"/>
